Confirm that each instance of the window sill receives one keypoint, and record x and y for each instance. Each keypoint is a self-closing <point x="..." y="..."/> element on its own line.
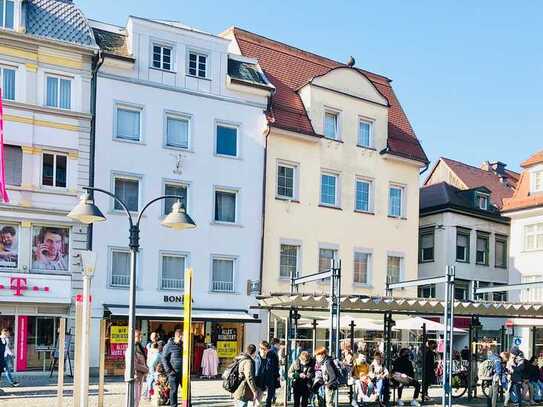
<point x="122" y="212"/>
<point x="58" y="109"/>
<point x="124" y="140"/>
<point x="284" y="199"/>
<point x="181" y="291"/>
<point x="362" y="285"/>
<point x="397" y="217"/>
<point x="231" y="157"/>
<point x="218" y="223"/>
<point x="501" y="267"/>
<point x="181" y="149"/>
<point x="330" y="207"/>
<point x="199" y="77"/>
<point x="482" y="264"/>
<point x="154" y="68"/>
<point x="427" y="261"/>
<point x="224" y="292"/>
<point x="337" y="140"/>
<point x="118" y="287"/>
<point x="463" y="261"/>
<point x="366" y="147"/>
<point x="364" y="212"/>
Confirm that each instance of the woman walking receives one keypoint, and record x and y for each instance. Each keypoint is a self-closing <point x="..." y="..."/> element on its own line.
<point x="301" y="372"/>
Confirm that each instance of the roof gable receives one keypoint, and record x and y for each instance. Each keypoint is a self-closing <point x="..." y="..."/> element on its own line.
<point x="351" y="82"/>
<point x="289" y="68"/>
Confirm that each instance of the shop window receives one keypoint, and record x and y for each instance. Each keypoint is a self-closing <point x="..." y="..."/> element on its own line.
<point x="41" y="340"/>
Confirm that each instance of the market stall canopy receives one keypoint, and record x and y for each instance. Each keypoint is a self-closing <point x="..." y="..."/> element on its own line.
<point x="396" y="305"/>
<point x="416" y="323"/>
<point x="345" y="322"/>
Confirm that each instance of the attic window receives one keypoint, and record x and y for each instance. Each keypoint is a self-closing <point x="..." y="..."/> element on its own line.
<point x="482" y="201"/>
<point x="537" y="185"/>
<point x="7" y="14"/>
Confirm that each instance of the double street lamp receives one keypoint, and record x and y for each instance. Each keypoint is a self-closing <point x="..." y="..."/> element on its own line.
<point x="87" y="212"/>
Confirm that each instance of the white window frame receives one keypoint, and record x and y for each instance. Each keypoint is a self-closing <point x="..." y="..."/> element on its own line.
<point x="535" y="233"/>
<point x="403" y="189"/>
<point x="186" y="184"/>
<point x="534" y="180"/>
<point x="371" y="194"/>
<point x="337" y="203"/>
<point x="326" y="246"/>
<point x="198" y="53"/>
<point x="337" y="114"/>
<point x="177" y="116"/>
<point x="4" y="14"/>
<point x="131" y="107"/>
<point x="162" y="45"/>
<point x="235" y="191"/>
<point x="119" y="249"/>
<point x="481" y="197"/>
<point x="237" y="127"/>
<point x="59" y="78"/>
<point x="3" y="67"/>
<point x="370" y="122"/>
<point x="235" y="260"/>
<point x="402" y="263"/>
<point x="127" y="176"/>
<point x="294" y="167"/>
<point x="369" y="273"/>
<point x="298" y="245"/>
<point x="55" y="154"/>
<point x="170" y="253"/>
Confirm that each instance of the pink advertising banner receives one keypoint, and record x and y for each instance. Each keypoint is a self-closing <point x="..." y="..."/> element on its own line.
<point x="22" y="336"/>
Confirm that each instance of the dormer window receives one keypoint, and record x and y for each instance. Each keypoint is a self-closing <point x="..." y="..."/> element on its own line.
<point x="7" y="14"/>
<point x="162" y="57"/>
<point x="537" y="184"/>
<point x="331" y="125"/>
<point x="197" y="64"/>
<point x="482" y="201"/>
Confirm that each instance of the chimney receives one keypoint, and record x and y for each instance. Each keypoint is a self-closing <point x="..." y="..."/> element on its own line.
<point x="496" y="167"/>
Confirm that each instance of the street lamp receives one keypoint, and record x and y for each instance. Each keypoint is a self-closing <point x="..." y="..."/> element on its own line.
<point x="87" y="212"/>
<point x="88" y="263"/>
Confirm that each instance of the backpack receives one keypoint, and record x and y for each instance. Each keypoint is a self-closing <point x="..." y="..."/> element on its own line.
<point x="342" y="374"/>
<point x="486" y="370"/>
<point x="231" y="377"/>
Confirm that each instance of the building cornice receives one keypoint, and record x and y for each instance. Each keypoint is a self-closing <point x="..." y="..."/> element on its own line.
<point x="463" y="211"/>
<point x="155" y="85"/>
<point x="35" y="40"/>
<point x="47" y="110"/>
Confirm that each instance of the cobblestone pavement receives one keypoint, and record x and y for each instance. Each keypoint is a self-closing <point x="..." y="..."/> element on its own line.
<point x="39" y="391"/>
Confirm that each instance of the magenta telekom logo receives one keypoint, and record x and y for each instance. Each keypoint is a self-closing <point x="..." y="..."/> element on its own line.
<point x="19" y="285"/>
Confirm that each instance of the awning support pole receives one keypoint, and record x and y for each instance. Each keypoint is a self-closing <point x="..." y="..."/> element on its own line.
<point x="423" y="348"/>
<point x="351" y="325"/>
<point x="314" y="343"/>
<point x="470" y="357"/>
<point x="448" y="322"/>
<point x="534" y="347"/>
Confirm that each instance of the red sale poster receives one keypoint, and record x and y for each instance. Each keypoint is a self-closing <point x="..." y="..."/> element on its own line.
<point x="22" y="336"/>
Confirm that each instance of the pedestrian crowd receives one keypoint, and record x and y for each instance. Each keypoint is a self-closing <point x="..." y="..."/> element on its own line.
<point x="257" y="374"/>
<point x="157" y="369"/>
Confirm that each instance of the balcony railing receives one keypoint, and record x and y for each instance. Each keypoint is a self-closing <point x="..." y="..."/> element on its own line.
<point x="222" y="286"/>
<point x="172" y="284"/>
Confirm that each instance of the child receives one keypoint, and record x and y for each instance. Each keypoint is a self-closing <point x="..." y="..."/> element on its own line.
<point x="162" y="387"/>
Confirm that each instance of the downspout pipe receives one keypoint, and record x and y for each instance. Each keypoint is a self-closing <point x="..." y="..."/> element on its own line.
<point x="264" y="173"/>
<point x="97" y="62"/>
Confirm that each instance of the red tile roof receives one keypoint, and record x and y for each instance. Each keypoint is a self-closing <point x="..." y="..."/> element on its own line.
<point x="474" y="177"/>
<point x="289" y="68"/>
<point x="537" y="158"/>
<point x="523" y="199"/>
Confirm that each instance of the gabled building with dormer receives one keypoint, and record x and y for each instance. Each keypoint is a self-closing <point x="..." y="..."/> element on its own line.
<point x="342" y="172"/>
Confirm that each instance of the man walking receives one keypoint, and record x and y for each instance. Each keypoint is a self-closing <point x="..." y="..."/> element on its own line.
<point x="172" y="360"/>
<point x="267" y="371"/>
<point x="246" y="390"/>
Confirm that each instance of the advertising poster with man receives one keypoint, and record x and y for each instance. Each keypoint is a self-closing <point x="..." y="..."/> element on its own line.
<point x="9" y="246"/>
<point x="50" y="248"/>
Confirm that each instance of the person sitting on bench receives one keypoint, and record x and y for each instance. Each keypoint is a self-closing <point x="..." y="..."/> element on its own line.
<point x="403" y="374"/>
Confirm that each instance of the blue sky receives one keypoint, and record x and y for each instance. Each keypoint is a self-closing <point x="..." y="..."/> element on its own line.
<point x="468" y="74"/>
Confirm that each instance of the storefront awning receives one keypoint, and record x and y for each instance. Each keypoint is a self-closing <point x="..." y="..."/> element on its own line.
<point x="174" y="313"/>
<point x="397" y="305"/>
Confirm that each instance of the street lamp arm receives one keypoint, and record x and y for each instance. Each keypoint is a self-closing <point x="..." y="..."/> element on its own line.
<point x="152" y="202"/>
<point x="115" y="198"/>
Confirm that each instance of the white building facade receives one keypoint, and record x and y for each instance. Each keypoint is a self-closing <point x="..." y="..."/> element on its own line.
<point x="45" y="77"/>
<point x="177" y="114"/>
<point x="525" y="209"/>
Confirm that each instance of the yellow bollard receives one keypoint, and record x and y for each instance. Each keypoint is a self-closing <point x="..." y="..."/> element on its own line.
<point x="187" y="345"/>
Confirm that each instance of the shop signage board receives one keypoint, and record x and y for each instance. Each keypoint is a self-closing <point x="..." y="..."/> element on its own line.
<point x="22" y="348"/>
<point x="118" y="341"/>
<point x="227" y="343"/>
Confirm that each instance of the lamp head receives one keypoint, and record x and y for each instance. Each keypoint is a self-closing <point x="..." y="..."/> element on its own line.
<point x="86" y="211"/>
<point x="178" y="219"/>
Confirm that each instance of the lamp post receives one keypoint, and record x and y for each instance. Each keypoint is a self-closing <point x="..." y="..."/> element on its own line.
<point x="87" y="212"/>
<point x="88" y="261"/>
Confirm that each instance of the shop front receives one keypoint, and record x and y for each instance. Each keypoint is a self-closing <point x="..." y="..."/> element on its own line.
<point x="220" y="331"/>
<point x="31" y="306"/>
